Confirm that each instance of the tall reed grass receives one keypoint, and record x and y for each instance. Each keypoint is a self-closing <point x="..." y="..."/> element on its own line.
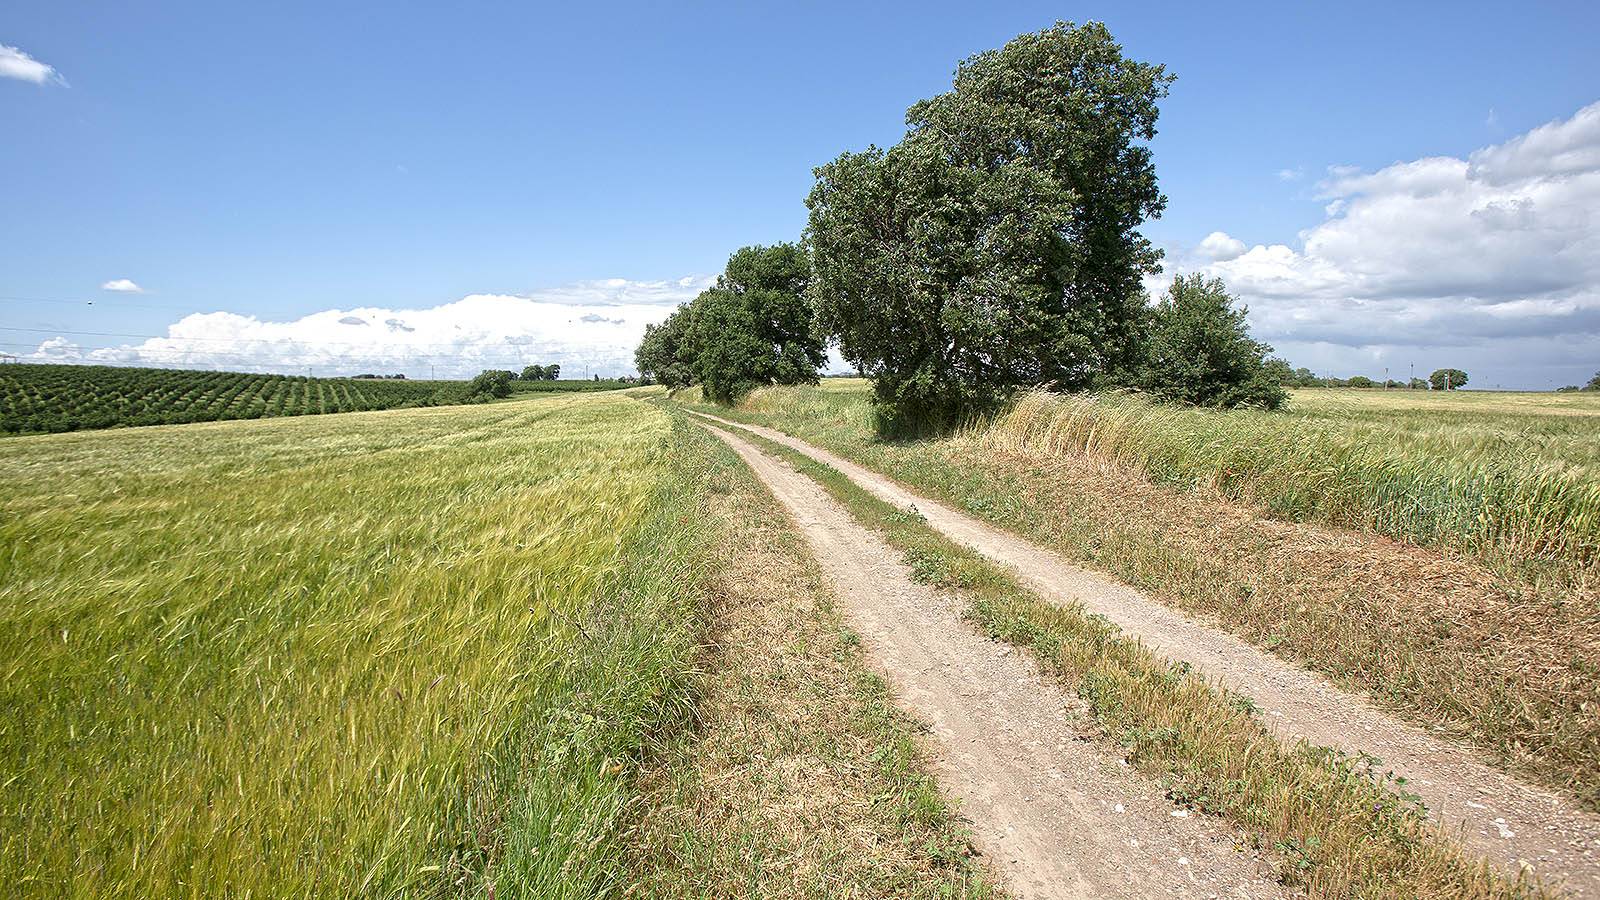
<point x="386" y="654"/>
<point x="1442" y="483"/>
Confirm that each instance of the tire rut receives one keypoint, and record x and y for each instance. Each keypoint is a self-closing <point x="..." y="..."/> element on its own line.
<point x="1514" y="824"/>
<point x="1055" y="816"/>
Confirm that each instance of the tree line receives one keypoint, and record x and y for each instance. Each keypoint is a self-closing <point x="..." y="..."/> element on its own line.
<point x="1440" y="380"/>
<point x="996" y="247"/>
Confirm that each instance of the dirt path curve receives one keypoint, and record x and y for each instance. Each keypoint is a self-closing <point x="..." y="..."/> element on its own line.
<point x="1055" y="821"/>
<point x="1501" y="817"/>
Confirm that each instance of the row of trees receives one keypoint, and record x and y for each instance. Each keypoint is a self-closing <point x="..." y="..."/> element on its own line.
<point x="996" y="247"/>
<point x="1440" y="380"/>
<point x="1593" y="384"/>
<point x="492" y="383"/>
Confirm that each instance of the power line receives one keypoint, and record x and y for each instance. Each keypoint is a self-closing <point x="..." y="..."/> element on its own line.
<point x="103" y="303"/>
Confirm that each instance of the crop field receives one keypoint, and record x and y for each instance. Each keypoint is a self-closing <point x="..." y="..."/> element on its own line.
<point x="396" y="653"/>
<point x="54" y="398"/>
<point x="1505" y="476"/>
<point x="1509" y="477"/>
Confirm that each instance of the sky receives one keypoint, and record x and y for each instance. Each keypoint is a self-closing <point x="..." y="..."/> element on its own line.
<point x="353" y="187"/>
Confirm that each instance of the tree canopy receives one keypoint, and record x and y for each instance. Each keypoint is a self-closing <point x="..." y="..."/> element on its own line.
<point x="1447" y="379"/>
<point x="491" y="383"/>
<point x="997" y="245"/>
<point x="541" y="373"/>
<point x="665" y="354"/>
<point x="753" y="327"/>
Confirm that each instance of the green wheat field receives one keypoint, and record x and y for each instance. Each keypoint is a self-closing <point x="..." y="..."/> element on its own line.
<point x="389" y="653"/>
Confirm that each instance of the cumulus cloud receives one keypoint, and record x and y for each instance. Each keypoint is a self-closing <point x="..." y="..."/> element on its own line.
<point x="1440" y="251"/>
<point x="122" y="286"/>
<point x="16" y="64"/>
<point x="1218" y="246"/>
<point x="588" y="326"/>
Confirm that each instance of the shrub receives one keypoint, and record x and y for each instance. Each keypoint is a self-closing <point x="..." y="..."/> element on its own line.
<point x="490" y="383"/>
<point x="1199" y="350"/>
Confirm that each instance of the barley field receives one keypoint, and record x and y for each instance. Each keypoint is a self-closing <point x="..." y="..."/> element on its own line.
<point x="1508" y="477"/>
<point x="404" y="653"/>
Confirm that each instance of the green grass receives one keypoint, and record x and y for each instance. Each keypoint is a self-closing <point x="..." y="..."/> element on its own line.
<point x="1334" y="825"/>
<point x="409" y="653"/>
<point x="57" y="398"/>
<point x="1511" y="478"/>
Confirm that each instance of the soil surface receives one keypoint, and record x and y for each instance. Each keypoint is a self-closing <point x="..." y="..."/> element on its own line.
<point x="1508" y="821"/>
<point x="1055" y="814"/>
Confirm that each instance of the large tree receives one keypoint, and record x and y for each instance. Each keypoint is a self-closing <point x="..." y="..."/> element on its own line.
<point x="753" y="327"/>
<point x="997" y="245"/>
<point x="1447" y="379"/>
<point x="664" y="354"/>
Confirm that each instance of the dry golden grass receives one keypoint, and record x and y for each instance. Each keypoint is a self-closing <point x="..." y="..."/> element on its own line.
<point x="1510" y="664"/>
<point x="801" y="779"/>
<point x="1331" y="824"/>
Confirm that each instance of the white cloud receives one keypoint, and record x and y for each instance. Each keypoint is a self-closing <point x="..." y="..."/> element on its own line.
<point x="589" y="326"/>
<point x="1438" y="251"/>
<point x="1294" y="174"/>
<point x="1218" y="246"/>
<point x="122" y="285"/>
<point x="16" y="64"/>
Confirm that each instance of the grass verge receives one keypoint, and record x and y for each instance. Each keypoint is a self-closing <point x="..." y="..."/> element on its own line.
<point x="800" y="778"/>
<point x="1334" y="825"/>
<point x="1508" y="665"/>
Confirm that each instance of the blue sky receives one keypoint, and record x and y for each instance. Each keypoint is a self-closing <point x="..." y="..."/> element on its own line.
<point x="320" y="172"/>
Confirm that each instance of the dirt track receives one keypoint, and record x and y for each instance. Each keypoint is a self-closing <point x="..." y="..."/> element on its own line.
<point x="1055" y="819"/>
<point x="1507" y="820"/>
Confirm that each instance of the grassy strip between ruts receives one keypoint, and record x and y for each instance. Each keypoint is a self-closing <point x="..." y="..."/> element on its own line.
<point x="1505" y="664"/>
<point x="799" y="777"/>
<point x="1335" y="825"/>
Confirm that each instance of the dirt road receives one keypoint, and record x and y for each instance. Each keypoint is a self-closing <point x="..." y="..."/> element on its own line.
<point x="1510" y="822"/>
<point x="1057" y="817"/>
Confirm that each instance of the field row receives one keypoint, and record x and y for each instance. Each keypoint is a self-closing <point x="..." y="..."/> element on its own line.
<point x="58" y="398"/>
